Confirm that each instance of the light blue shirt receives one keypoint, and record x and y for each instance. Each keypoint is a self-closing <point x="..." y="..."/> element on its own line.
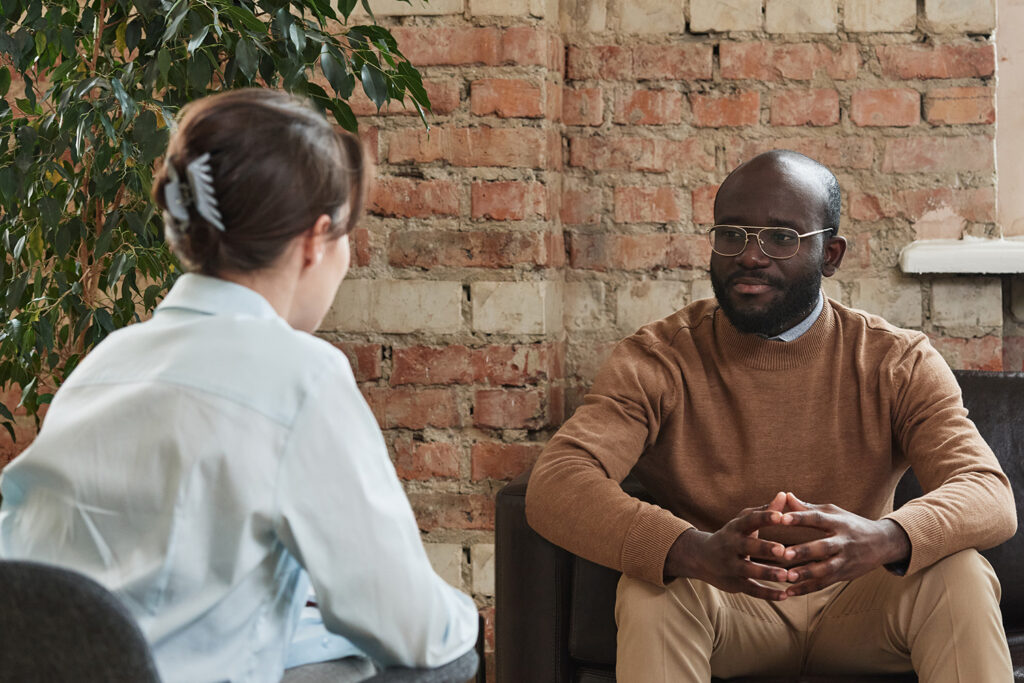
<point x="195" y="464"/>
<point x="797" y="331"/>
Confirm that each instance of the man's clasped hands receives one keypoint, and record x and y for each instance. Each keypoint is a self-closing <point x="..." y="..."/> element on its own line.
<point x="736" y="560"/>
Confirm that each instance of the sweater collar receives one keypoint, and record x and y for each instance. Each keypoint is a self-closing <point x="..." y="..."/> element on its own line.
<point x="765" y="354"/>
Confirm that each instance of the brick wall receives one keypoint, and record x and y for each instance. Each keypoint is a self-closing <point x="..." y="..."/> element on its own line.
<point x="559" y="200"/>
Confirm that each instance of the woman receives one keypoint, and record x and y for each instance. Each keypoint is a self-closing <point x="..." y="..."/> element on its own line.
<point x="202" y="463"/>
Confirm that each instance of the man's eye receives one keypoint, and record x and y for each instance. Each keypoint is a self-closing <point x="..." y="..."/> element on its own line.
<point x="783" y="239"/>
<point x="732" y="235"/>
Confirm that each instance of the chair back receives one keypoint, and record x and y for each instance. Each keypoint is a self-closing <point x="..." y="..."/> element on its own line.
<point x="58" y="625"/>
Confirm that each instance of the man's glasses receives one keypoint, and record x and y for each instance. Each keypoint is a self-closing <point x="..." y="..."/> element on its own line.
<point x="777" y="243"/>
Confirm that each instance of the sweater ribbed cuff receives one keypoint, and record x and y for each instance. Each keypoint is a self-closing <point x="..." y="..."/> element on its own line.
<point x="926" y="535"/>
<point x="648" y="541"/>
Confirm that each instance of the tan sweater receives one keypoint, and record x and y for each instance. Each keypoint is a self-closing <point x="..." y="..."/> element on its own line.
<point x="714" y="420"/>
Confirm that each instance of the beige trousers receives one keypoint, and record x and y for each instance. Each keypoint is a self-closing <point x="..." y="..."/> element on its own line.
<point x="943" y="622"/>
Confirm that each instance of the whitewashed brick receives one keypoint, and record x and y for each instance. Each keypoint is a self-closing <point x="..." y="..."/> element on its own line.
<point x="584" y="305"/>
<point x="396" y="8"/>
<point x="652" y="16"/>
<point x="801" y="16"/>
<point x="967" y="306"/>
<point x="701" y="289"/>
<point x="639" y="303"/>
<point x="588" y="16"/>
<point x="959" y="16"/>
<point x="446" y="559"/>
<point x="898" y="302"/>
<point x="499" y="8"/>
<point x="517" y="307"/>
<point x="481" y="558"/>
<point x="834" y="289"/>
<point x="880" y="15"/>
<point x="396" y="306"/>
<point x="725" y="15"/>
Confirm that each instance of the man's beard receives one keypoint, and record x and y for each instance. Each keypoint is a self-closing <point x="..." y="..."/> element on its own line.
<point x="796" y="303"/>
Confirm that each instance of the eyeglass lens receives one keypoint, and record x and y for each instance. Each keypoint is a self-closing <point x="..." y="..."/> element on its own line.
<point x="774" y="242"/>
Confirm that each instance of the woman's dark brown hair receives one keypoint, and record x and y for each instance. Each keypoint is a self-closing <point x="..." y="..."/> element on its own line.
<point x="277" y="166"/>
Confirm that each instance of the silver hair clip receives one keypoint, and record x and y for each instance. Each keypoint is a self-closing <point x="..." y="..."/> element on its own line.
<point x="199" y="192"/>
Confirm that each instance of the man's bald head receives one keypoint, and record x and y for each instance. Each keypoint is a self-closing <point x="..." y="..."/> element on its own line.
<point x="800" y="167"/>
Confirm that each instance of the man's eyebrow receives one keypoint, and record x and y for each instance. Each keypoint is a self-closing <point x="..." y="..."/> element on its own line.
<point x="770" y="222"/>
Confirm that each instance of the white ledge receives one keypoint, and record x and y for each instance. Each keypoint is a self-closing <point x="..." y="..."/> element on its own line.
<point x="967" y="255"/>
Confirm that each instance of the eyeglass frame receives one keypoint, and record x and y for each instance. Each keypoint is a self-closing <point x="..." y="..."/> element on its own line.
<point x="755" y="231"/>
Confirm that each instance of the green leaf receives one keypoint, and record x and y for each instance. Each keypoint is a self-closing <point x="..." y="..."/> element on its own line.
<point x="198" y="39"/>
<point x="366" y="6"/>
<point x="337" y="75"/>
<point x="5" y="80"/>
<point x="344" y="116"/>
<point x="133" y="35"/>
<point x="248" y="60"/>
<point x="15" y="291"/>
<point x="163" y="62"/>
<point x="199" y="71"/>
<point x="374" y="84"/>
<point x="5" y="412"/>
<point x="298" y="37"/>
<point x="105" y="320"/>
<point x="242" y="16"/>
<point x="125" y="100"/>
<point x="346" y="7"/>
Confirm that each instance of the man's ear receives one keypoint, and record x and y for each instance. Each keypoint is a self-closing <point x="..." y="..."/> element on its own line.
<point x="314" y="241"/>
<point x="835" y="249"/>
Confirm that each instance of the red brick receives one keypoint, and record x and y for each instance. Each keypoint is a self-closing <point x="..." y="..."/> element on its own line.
<point x="646" y="205"/>
<point x="529" y="46"/>
<point x="427" y="46"/>
<point x="365" y="360"/>
<point x="976" y="353"/>
<point x="943" y="61"/>
<point x="507" y="97"/>
<point x="473" y="249"/>
<point x="484" y="146"/>
<point x="436" y="511"/>
<point x="509" y="408"/>
<point x="951" y="106"/>
<point x="834" y="152"/>
<point x="409" y="198"/>
<point x="359" y="239"/>
<point x="649" y="107"/>
<point x="886" y="107"/>
<point x="515" y="365"/>
<point x="704" y="204"/>
<point x="805" y="107"/>
<point x="1013" y="354"/>
<point x="582" y="206"/>
<point x="606" y="62"/>
<point x="796" y="61"/>
<point x="553" y="101"/>
<point x="495" y="460"/>
<point x="582" y="107"/>
<point x="641" y="154"/>
<point x="443" y="94"/>
<point x="509" y="200"/>
<point x="676" y="62"/>
<point x="609" y="251"/>
<point x="413" y="408"/>
<point x="933" y="154"/>
<point x="973" y="204"/>
<point x="741" y="109"/>
<point x="425" y="460"/>
<point x="370" y="137"/>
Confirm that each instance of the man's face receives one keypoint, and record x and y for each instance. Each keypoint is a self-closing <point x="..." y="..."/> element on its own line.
<point x="759" y="294"/>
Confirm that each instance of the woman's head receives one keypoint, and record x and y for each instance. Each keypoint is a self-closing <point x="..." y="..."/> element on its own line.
<point x="275" y="167"/>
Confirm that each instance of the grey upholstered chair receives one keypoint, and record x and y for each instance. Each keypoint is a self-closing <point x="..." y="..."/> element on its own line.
<point x="58" y="625"/>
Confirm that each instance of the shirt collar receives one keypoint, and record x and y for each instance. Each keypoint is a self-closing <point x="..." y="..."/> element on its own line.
<point x="797" y="330"/>
<point x="213" y="296"/>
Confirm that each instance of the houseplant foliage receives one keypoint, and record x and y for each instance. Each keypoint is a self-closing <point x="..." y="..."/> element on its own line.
<point x="90" y="91"/>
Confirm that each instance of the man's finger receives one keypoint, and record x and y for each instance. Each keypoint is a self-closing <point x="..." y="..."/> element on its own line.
<point x="811" y="551"/>
<point x="811" y="518"/>
<point x="752" y="546"/>
<point x="764" y="572"/>
<point x="817" y="571"/>
<point x="752" y="520"/>
<point x="759" y="590"/>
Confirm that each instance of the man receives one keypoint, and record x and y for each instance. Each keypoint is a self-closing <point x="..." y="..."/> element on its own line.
<point x="772" y="426"/>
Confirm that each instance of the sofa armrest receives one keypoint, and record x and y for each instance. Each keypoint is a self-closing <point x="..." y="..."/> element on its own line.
<point x="533" y="582"/>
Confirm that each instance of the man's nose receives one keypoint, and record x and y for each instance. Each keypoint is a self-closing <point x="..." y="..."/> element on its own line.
<point x="752" y="257"/>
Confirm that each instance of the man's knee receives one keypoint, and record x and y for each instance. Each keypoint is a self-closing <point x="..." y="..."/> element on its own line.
<point x="966" y="568"/>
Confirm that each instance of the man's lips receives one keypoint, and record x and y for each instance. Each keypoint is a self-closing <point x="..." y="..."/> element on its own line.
<point x="750" y="285"/>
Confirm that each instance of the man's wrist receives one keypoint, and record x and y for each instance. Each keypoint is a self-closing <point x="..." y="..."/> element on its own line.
<point x="680" y="559"/>
<point x="896" y="555"/>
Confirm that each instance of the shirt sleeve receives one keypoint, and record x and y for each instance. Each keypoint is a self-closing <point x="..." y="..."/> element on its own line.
<point x="574" y="497"/>
<point x="967" y="499"/>
<point x="343" y="514"/>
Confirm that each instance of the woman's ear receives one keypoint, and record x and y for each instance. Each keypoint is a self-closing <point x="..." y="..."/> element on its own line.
<point x="314" y="241"/>
<point x="835" y="248"/>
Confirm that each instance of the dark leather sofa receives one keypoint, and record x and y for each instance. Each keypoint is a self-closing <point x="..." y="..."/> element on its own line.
<point x="554" y="615"/>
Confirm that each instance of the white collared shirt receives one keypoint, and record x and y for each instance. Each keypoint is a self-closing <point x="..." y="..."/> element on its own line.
<point x="797" y="331"/>
<point x="195" y="463"/>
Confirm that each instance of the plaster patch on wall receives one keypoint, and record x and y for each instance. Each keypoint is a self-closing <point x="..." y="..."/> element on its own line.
<point x="941" y="223"/>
